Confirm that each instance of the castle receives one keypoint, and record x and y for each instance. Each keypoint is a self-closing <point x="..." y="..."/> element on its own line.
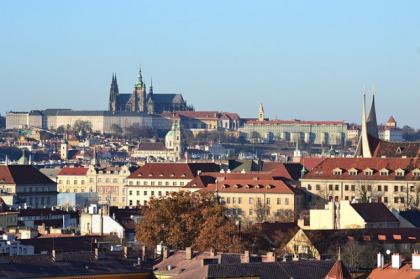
<point x="141" y="101"/>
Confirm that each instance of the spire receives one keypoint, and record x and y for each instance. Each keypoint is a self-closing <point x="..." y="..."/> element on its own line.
<point x="363" y="147"/>
<point x="372" y="125"/>
<point x="151" y="86"/>
<point x="261" y="115"/>
<point x="139" y="82"/>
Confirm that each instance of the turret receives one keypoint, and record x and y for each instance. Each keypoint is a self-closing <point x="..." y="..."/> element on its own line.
<point x="113" y="94"/>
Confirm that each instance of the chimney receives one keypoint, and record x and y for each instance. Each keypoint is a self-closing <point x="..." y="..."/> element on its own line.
<point x="56" y="257"/>
<point x="98" y="254"/>
<point x="165" y="252"/>
<point x="380" y="260"/>
<point x="246" y="257"/>
<point x="396" y="261"/>
<point x="126" y="251"/>
<point x="271" y="257"/>
<point x="143" y="252"/>
<point x="212" y="252"/>
<point x="188" y="253"/>
<point x="415" y="261"/>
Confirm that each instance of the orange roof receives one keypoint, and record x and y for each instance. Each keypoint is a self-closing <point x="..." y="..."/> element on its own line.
<point x="73" y="171"/>
<point x="338" y="271"/>
<point x="405" y="272"/>
<point x="325" y="169"/>
<point x="250" y="186"/>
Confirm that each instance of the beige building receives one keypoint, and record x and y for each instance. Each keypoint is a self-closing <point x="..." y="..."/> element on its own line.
<point x="345" y="215"/>
<point x="155" y="180"/>
<point x="309" y="132"/>
<point x="107" y="182"/>
<point x="393" y="181"/>
<point x="255" y="200"/>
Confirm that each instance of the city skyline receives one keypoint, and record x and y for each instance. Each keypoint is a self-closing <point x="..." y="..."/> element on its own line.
<point x="287" y="56"/>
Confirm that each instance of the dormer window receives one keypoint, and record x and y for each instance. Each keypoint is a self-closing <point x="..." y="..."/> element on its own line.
<point x="353" y="171"/>
<point x="172" y="174"/>
<point x="183" y="175"/>
<point x="151" y="174"/>
<point x="224" y="186"/>
<point x="268" y="187"/>
<point x="236" y="186"/>
<point x="384" y="172"/>
<point x="257" y="186"/>
<point x="246" y="186"/>
<point x="368" y="172"/>
<point x="161" y="174"/>
<point x="400" y="172"/>
<point x="337" y="171"/>
<point x="416" y="173"/>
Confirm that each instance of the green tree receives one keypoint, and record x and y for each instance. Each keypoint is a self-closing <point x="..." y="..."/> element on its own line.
<point x="116" y="130"/>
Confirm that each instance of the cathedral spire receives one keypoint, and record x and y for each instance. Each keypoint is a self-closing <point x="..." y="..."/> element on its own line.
<point x="139" y="82"/>
<point x="363" y="147"/>
<point x="372" y="125"/>
<point x="151" y="86"/>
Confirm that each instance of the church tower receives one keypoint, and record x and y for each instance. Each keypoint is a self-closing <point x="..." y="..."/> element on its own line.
<point x="174" y="140"/>
<point x="261" y="115"/>
<point x="139" y="104"/>
<point x="64" y="149"/>
<point x="113" y="94"/>
<point x="369" y="131"/>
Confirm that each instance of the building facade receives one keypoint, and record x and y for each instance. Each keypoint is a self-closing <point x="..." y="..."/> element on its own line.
<point x="108" y="183"/>
<point x="24" y="185"/>
<point x="393" y="181"/>
<point x="155" y="180"/>
<point x="309" y="132"/>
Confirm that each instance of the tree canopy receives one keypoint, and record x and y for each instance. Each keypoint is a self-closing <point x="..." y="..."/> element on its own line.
<point x="186" y="219"/>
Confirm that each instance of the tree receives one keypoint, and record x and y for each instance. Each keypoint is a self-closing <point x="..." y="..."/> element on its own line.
<point x="81" y="126"/>
<point x="116" y="130"/>
<point x="357" y="255"/>
<point x="186" y="219"/>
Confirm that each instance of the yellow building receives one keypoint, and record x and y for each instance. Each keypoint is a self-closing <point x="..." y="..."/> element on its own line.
<point x="107" y="182"/>
<point x="254" y="199"/>
<point x="393" y="181"/>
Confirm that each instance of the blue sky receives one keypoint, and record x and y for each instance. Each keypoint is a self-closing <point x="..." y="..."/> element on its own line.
<point x="301" y="59"/>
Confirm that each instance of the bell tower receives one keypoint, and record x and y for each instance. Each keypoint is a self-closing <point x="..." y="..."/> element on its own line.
<point x="139" y="94"/>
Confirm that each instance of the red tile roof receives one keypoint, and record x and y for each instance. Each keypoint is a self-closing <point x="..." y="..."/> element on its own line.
<point x="294" y="122"/>
<point x="73" y="171"/>
<point x="250" y="186"/>
<point x="172" y="170"/>
<point x="338" y="271"/>
<point x="22" y="174"/>
<point x="209" y="115"/>
<point x="325" y="169"/>
<point x="405" y="272"/>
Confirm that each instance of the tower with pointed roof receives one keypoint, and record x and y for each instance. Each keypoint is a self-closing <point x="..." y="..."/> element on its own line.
<point x="113" y="94"/>
<point x="369" y="132"/>
<point x="261" y="115"/>
<point x="139" y="95"/>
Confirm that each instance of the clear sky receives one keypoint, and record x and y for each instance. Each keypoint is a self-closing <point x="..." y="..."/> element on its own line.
<point x="301" y="59"/>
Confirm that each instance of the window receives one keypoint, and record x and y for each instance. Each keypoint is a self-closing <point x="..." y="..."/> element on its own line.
<point x="138" y="203"/>
<point x="268" y="201"/>
<point x="68" y="182"/>
<point x="145" y="183"/>
<point x="286" y="201"/>
<point x="160" y="183"/>
<point x="233" y="200"/>
<point x="346" y="187"/>
<point x="402" y="200"/>
<point x="330" y="187"/>
<point x="250" y="212"/>
<point x="318" y="187"/>
<point x="160" y="193"/>
<point x="385" y="199"/>
<point x="369" y="188"/>
<point x="239" y="200"/>
<point x="309" y="187"/>
<point x="138" y="193"/>
<point x="167" y="183"/>
<point x="385" y="188"/>
<point x="107" y="180"/>
<point x="152" y="193"/>
<point x="181" y="183"/>
<point x="90" y="180"/>
<point x="396" y="200"/>
<point x="114" y="180"/>
<point x="411" y="188"/>
<point x="145" y="193"/>
<point x="346" y="198"/>
<point x="258" y="200"/>
<point x="82" y="182"/>
<point x="167" y="193"/>
<point x="379" y="188"/>
<point x="395" y="188"/>
<point x="336" y="187"/>
<point x="174" y="183"/>
<point x="228" y="200"/>
<point x="278" y="201"/>
<point x="152" y="183"/>
<point x="130" y="193"/>
<point x="130" y="202"/>
<point x="251" y="201"/>
<point x="75" y="182"/>
<point x="353" y="188"/>
<point x="402" y="188"/>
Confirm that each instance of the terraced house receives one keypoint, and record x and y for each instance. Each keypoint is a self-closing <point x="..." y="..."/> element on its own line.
<point x="107" y="182"/>
<point x="393" y="181"/>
